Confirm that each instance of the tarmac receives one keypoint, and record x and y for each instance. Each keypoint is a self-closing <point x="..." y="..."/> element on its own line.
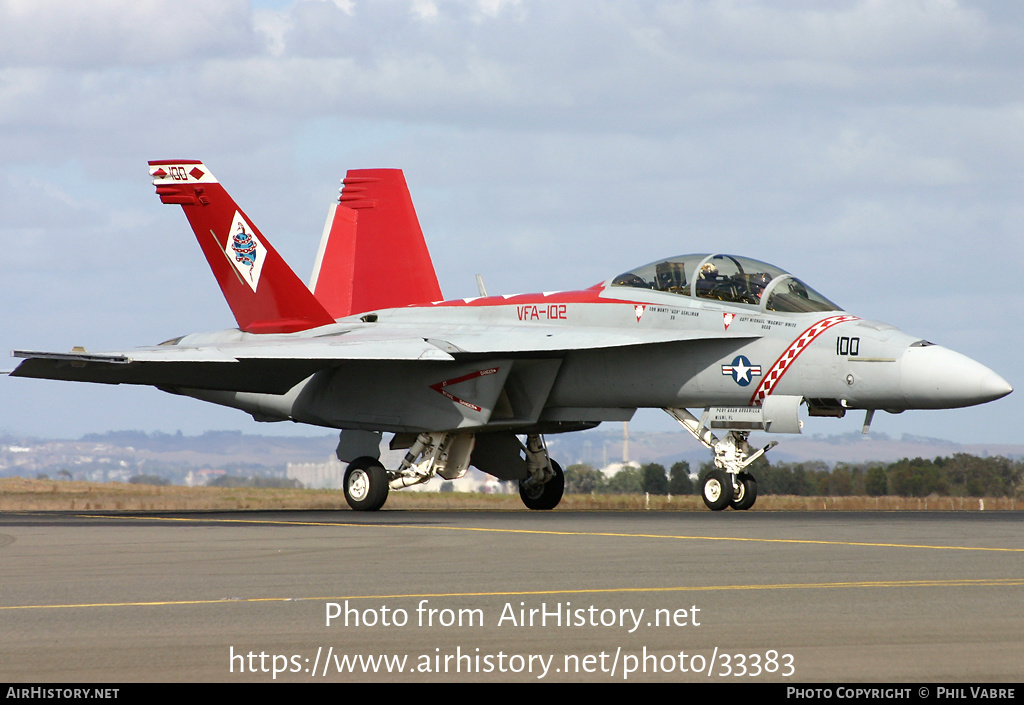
<point x="413" y="596"/>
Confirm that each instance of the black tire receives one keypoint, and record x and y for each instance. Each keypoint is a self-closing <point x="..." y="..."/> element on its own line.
<point x="717" y="490"/>
<point x="366" y="484"/>
<point x="546" y="496"/>
<point x="747" y="492"/>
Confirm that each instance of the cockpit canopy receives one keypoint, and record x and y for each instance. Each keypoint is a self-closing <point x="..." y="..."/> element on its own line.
<point x="738" y="280"/>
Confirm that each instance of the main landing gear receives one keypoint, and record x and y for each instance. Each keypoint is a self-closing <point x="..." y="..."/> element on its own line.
<point x="366" y="484"/>
<point x="543" y="495"/>
<point x="728" y="485"/>
<point x="543" y="487"/>
<point x="448" y="455"/>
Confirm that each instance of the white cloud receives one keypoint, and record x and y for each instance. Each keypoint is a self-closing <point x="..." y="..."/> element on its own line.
<point x="425" y="9"/>
<point x="824" y="137"/>
<point x="86" y="35"/>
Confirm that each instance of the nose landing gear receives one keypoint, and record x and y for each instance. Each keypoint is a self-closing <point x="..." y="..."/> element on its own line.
<point x="728" y="485"/>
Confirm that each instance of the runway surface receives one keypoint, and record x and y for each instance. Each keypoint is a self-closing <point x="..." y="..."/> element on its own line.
<point x="512" y="596"/>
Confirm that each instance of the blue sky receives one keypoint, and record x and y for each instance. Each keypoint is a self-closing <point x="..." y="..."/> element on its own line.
<point x="872" y="148"/>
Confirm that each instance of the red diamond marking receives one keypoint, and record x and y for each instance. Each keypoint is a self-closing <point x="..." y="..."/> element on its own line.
<point x="197" y="173"/>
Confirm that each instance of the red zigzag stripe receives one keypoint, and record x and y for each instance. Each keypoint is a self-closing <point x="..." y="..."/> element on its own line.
<point x="791" y="353"/>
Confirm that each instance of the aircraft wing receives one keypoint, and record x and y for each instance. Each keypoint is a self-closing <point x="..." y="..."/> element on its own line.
<point x="505" y="340"/>
<point x="271" y="367"/>
<point x="275" y="365"/>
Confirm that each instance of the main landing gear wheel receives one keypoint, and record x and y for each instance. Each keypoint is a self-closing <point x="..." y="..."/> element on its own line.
<point x="717" y="490"/>
<point x="744" y="492"/>
<point x="546" y="496"/>
<point x="366" y="484"/>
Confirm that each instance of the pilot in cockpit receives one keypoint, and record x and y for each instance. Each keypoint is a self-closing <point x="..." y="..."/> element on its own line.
<point x="757" y="284"/>
<point x="707" y="278"/>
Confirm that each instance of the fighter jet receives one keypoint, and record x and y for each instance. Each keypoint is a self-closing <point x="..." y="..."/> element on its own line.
<point x="371" y="347"/>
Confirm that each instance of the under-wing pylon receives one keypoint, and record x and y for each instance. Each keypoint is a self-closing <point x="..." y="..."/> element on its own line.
<point x="370" y="348"/>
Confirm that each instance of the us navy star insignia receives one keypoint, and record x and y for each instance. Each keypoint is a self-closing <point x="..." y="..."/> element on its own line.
<point x="741" y="371"/>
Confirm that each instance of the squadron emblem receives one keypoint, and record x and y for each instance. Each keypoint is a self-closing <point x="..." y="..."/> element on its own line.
<point x="245" y="251"/>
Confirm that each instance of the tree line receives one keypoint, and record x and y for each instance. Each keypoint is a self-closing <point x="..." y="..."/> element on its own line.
<point x="960" y="475"/>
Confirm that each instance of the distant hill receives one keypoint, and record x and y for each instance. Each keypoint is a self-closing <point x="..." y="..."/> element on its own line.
<point x="214" y="446"/>
<point x="118" y="455"/>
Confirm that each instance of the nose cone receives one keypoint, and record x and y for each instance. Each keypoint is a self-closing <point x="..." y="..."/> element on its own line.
<point x="934" y="377"/>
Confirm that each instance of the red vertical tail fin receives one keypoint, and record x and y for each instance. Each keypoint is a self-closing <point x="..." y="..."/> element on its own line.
<point x="263" y="292"/>
<point x="372" y="253"/>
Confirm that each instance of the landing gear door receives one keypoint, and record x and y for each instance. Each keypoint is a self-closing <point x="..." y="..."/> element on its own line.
<point x="777" y="414"/>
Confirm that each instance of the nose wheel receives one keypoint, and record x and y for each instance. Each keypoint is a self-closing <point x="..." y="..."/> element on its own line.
<point x="717" y="490"/>
<point x="744" y="491"/>
<point x="723" y="489"/>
